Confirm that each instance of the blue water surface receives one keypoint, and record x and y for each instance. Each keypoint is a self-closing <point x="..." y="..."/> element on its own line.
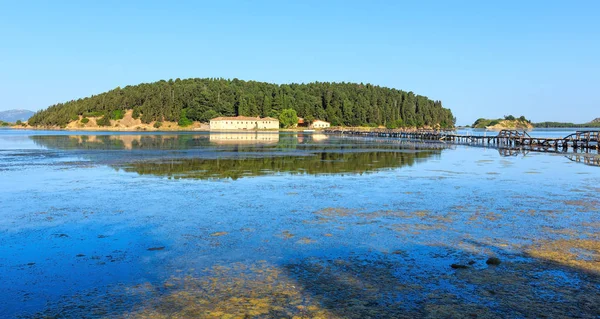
<point x="91" y="214"/>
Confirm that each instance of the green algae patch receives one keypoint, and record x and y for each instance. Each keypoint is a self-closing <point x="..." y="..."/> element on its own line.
<point x="417" y="228"/>
<point x="305" y="241"/>
<point x="583" y="254"/>
<point x="584" y="205"/>
<point x="286" y="234"/>
<point x="219" y="234"/>
<point x="378" y="286"/>
<point x="234" y="291"/>
<point x="335" y="212"/>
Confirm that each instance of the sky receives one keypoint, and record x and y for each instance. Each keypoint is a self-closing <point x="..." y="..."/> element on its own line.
<point x="540" y="59"/>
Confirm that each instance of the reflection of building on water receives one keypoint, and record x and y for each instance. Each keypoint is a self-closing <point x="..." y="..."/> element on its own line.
<point x="244" y="138"/>
<point x="315" y="137"/>
<point x="319" y="137"/>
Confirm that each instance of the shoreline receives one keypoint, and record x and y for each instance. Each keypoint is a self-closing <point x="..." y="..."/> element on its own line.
<point x="198" y="129"/>
<point x="131" y="130"/>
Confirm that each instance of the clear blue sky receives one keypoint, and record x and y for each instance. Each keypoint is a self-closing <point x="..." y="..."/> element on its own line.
<point x="540" y="59"/>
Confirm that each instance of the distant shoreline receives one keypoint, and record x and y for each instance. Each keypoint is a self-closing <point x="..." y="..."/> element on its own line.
<point x="535" y="128"/>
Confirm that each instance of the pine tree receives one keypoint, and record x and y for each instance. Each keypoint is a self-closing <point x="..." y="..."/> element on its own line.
<point x="266" y="105"/>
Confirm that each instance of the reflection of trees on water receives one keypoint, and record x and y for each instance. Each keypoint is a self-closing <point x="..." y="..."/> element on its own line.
<point x="235" y="141"/>
<point x="121" y="142"/>
<point x="313" y="164"/>
<point x="249" y="157"/>
<point x="171" y="141"/>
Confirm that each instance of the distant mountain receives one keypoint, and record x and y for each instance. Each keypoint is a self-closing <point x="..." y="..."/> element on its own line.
<point x="15" y="115"/>
<point x="596" y="120"/>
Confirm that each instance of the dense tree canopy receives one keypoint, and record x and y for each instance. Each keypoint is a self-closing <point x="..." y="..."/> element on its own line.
<point x="565" y="124"/>
<point x="178" y="100"/>
<point x="288" y="118"/>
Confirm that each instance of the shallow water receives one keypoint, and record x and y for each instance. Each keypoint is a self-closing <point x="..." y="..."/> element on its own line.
<point x="280" y="225"/>
<point x="537" y="132"/>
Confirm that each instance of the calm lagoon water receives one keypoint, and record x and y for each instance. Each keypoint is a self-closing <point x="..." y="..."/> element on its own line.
<point x="269" y="225"/>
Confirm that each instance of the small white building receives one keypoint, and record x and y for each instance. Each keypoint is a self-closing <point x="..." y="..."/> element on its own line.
<point x="244" y="123"/>
<point x="320" y="124"/>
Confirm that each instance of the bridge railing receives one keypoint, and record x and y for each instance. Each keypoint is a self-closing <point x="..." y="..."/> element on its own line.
<point x="513" y="134"/>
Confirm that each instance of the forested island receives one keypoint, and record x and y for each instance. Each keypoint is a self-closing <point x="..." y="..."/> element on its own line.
<point x="508" y="122"/>
<point x="593" y="123"/>
<point x="198" y="100"/>
<point x="521" y="122"/>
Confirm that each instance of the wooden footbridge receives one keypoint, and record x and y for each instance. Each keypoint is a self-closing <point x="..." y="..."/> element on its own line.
<point x="579" y="141"/>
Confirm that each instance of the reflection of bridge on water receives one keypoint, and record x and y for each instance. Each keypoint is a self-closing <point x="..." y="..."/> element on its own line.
<point x="584" y="158"/>
<point x="585" y="140"/>
<point x="409" y="144"/>
<point x="581" y="147"/>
